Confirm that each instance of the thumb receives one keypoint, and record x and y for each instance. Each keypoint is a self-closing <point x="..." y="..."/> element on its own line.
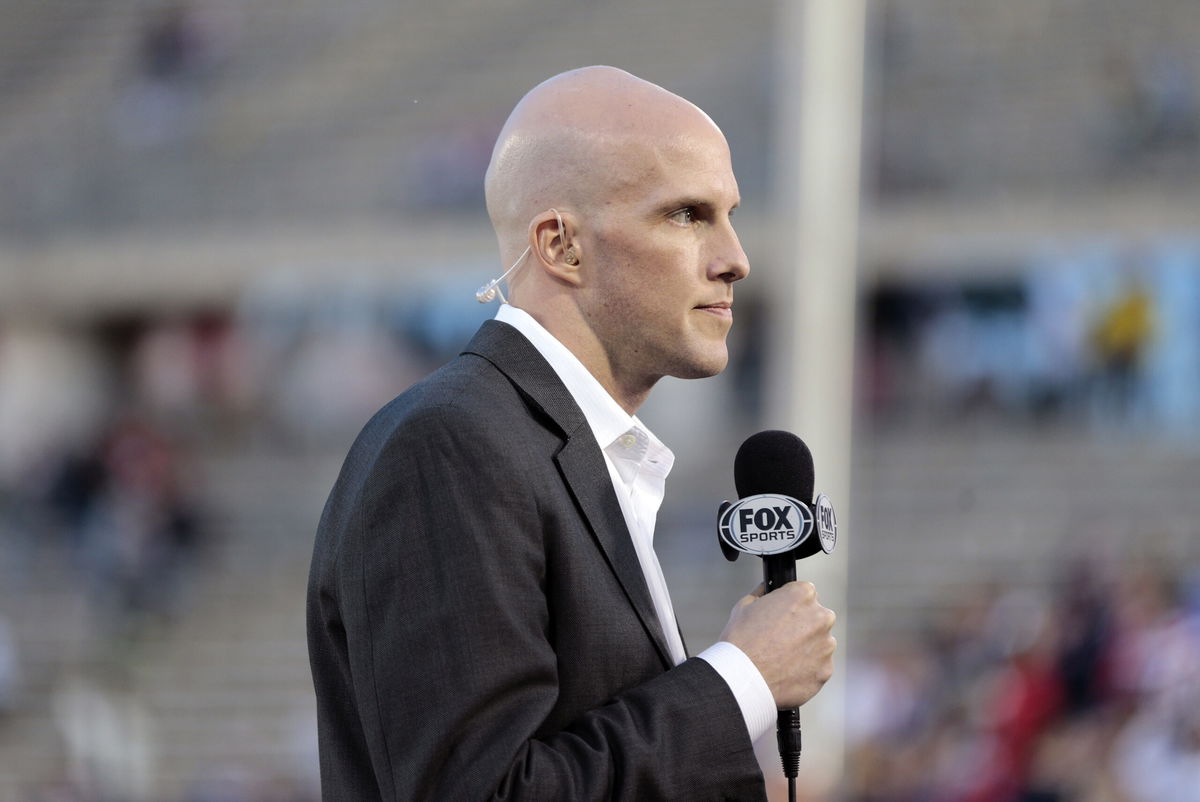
<point x="744" y="602"/>
<point x="752" y="596"/>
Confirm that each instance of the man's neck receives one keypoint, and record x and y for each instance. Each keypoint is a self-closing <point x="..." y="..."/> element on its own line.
<point x="586" y="347"/>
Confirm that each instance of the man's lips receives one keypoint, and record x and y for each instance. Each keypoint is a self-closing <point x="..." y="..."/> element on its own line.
<point x="720" y="308"/>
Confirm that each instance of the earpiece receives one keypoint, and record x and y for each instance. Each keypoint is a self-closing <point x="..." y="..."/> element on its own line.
<point x="488" y="292"/>
<point x="562" y="234"/>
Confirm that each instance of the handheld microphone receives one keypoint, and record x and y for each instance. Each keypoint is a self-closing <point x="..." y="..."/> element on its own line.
<point x="774" y="519"/>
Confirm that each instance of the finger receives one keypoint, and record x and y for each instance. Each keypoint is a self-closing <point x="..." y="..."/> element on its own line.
<point x="806" y="590"/>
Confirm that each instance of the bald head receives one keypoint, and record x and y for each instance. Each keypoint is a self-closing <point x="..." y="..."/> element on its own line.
<point x="576" y="140"/>
<point x="614" y="198"/>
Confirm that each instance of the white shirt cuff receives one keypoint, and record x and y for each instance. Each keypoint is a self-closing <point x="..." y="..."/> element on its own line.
<point x="747" y="684"/>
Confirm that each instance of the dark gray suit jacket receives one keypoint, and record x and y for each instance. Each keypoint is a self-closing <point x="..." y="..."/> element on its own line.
<point x="478" y="623"/>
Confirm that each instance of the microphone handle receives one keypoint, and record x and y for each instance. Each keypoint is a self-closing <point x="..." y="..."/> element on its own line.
<point x="779" y="569"/>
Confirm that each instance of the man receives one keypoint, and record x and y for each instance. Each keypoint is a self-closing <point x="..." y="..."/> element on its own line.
<point x="486" y="615"/>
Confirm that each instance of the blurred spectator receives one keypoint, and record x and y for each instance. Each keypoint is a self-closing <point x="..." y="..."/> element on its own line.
<point x="1092" y="696"/>
<point x="171" y="44"/>
<point x="160" y="531"/>
<point x="108" y="740"/>
<point x="165" y="372"/>
<point x="891" y="692"/>
<point x="315" y="364"/>
<point x="1056" y="340"/>
<point x="1158" y="755"/>
<point x="1121" y="337"/>
<point x="337" y="379"/>
<point x="138" y="531"/>
<point x="179" y="46"/>
<point x="1086" y="632"/>
<point x="53" y="386"/>
<point x="896" y="314"/>
<point x="74" y="486"/>
<point x="1108" y="329"/>
<point x="192" y="373"/>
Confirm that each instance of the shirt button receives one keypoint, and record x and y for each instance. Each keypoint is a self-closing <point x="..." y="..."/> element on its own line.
<point x="627" y="440"/>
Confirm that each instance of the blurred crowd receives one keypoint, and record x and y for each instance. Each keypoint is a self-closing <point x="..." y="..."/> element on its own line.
<point x="1092" y="694"/>
<point x="101" y="423"/>
<point x="106" y="417"/>
<point x="1088" y="694"/>
<point x="1103" y="336"/>
<point x="126" y="519"/>
<point x="105" y="429"/>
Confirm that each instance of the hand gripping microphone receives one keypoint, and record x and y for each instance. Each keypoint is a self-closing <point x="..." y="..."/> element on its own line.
<point x="774" y="519"/>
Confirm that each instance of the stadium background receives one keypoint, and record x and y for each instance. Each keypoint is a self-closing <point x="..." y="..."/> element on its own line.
<point x="230" y="229"/>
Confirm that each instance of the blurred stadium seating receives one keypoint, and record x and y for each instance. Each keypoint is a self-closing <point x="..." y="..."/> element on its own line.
<point x="213" y="207"/>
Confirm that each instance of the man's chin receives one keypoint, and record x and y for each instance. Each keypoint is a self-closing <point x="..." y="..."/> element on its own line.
<point x="703" y="368"/>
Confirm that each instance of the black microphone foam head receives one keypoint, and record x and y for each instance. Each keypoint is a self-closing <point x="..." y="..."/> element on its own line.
<point x="774" y="461"/>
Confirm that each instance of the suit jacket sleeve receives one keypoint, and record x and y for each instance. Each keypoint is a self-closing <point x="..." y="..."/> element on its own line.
<point x="439" y="658"/>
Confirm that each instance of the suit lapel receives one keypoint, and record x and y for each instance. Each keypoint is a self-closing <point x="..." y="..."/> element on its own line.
<point x="579" y="460"/>
<point x="592" y="487"/>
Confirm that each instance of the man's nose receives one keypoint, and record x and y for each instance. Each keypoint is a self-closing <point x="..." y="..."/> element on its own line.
<point x="731" y="263"/>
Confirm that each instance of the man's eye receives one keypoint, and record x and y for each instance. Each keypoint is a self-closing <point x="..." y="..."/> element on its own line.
<point x="684" y="217"/>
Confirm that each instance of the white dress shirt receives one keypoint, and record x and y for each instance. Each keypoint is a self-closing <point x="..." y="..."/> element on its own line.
<point x="638" y="464"/>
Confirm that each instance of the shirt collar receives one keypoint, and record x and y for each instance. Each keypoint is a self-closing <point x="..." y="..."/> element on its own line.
<point x="608" y="421"/>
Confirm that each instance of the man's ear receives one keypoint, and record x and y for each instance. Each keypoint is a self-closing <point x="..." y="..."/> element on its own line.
<point x="553" y="245"/>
